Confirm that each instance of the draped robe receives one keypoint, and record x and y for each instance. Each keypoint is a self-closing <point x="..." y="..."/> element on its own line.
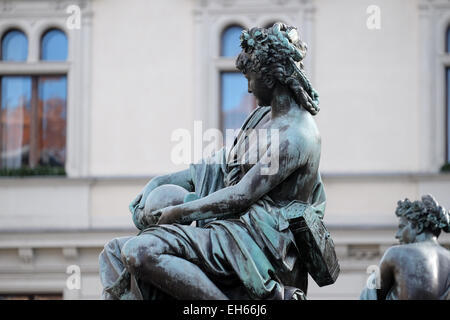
<point x="252" y="255"/>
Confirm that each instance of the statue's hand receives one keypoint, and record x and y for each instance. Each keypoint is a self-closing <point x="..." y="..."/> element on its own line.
<point x="139" y="201"/>
<point x="169" y="215"/>
<point x="135" y="203"/>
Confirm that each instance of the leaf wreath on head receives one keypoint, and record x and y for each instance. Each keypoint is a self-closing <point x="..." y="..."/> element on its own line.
<point x="426" y="214"/>
<point x="278" y="52"/>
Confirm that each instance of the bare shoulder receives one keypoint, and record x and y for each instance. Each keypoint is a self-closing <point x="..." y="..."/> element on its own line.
<point x="400" y="253"/>
<point x="303" y="136"/>
<point x="390" y="254"/>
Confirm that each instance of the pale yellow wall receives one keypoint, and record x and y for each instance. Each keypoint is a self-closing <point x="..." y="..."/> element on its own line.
<point x="368" y="85"/>
<point x="142" y="84"/>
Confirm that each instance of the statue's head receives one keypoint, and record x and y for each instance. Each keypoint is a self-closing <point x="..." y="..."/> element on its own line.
<point x="272" y="57"/>
<point x="418" y="217"/>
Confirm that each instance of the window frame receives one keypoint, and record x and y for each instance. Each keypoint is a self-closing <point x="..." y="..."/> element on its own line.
<point x="2" y="36"/>
<point x="35" y="21"/>
<point x="447" y="129"/>
<point x="221" y="118"/>
<point x="34" y="125"/>
<point x="211" y="19"/>
<point x="446" y="67"/>
<point x="34" y="120"/>
<point x="224" y="64"/>
<point x="44" y="33"/>
<point x="222" y="34"/>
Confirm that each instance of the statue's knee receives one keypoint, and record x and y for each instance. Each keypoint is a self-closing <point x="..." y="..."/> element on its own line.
<point x="129" y="253"/>
<point x="109" y="249"/>
<point x="139" y="249"/>
<point x="115" y="244"/>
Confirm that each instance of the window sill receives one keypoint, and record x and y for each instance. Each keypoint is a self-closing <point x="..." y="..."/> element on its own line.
<point x="38" y="171"/>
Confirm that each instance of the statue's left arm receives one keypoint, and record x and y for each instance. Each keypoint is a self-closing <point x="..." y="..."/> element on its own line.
<point x="236" y="198"/>
<point x="387" y="277"/>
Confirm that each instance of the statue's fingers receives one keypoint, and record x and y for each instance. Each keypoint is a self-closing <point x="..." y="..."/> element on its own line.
<point x="144" y="196"/>
<point x="137" y="201"/>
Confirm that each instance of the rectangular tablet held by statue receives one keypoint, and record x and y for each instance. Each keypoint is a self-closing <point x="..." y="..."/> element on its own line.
<point x="314" y="242"/>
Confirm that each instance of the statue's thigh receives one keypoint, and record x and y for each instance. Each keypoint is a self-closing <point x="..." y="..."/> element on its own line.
<point x="112" y="250"/>
<point x="117" y="244"/>
<point x="145" y="246"/>
<point x="187" y="242"/>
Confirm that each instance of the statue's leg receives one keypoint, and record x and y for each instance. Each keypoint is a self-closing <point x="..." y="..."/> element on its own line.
<point x="152" y="260"/>
<point x="110" y="262"/>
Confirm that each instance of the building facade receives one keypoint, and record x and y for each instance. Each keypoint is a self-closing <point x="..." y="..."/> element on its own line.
<point x="116" y="79"/>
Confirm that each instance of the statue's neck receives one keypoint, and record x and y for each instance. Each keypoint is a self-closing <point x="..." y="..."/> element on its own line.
<point x="282" y="102"/>
<point x="426" y="237"/>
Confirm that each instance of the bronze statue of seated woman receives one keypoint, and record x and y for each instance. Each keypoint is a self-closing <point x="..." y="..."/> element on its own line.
<point x="242" y="245"/>
<point x="418" y="268"/>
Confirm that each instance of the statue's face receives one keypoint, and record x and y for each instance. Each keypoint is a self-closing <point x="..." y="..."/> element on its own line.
<point x="406" y="231"/>
<point x="258" y="87"/>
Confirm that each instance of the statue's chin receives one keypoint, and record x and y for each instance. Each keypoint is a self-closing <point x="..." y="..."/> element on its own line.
<point x="262" y="103"/>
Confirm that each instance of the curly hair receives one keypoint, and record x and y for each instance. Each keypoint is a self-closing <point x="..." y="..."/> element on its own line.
<point x="426" y="214"/>
<point x="277" y="53"/>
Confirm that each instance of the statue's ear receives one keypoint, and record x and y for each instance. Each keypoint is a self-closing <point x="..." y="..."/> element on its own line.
<point x="419" y="227"/>
<point x="269" y="81"/>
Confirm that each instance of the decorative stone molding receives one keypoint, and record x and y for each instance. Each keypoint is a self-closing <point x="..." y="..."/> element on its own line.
<point x="26" y="255"/>
<point x="70" y="253"/>
<point x="43" y="265"/>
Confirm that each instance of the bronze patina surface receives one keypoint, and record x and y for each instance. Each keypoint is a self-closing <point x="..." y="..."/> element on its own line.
<point x="244" y="244"/>
<point x="418" y="268"/>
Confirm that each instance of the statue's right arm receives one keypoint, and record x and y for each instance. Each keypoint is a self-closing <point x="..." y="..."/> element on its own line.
<point x="180" y="178"/>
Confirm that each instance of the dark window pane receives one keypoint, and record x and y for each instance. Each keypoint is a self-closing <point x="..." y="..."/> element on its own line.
<point x="230" y="42"/>
<point x="14" y="46"/>
<point x="236" y="102"/>
<point x="52" y="120"/>
<point x="448" y="39"/>
<point x="15" y="121"/>
<point x="54" y="46"/>
<point x="31" y="296"/>
<point x="448" y="114"/>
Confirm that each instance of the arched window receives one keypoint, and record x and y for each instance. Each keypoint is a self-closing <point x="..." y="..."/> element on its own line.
<point x="14" y="46"/>
<point x="448" y="113"/>
<point x="447" y="75"/>
<point x="447" y="41"/>
<point x="33" y="107"/>
<point x="52" y="97"/>
<point x="15" y="108"/>
<point x="230" y="43"/>
<point x="235" y="101"/>
<point x="54" y="46"/>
